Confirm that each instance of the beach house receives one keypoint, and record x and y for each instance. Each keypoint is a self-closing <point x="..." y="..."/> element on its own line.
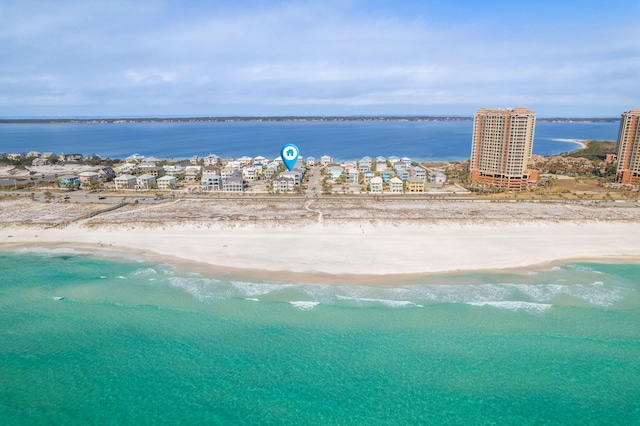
<point x="211" y="181"/>
<point x="386" y="175"/>
<point x="145" y="181"/>
<point x="107" y="173"/>
<point x="233" y="184"/>
<point x="271" y="170"/>
<point x="438" y="177"/>
<point x="283" y="184"/>
<point x="39" y="162"/>
<point x="414" y="184"/>
<point x="381" y="164"/>
<point x="229" y="172"/>
<point x="296" y="175"/>
<point x="126" y="168"/>
<point x="69" y="182"/>
<point x="249" y="173"/>
<point x="375" y="185"/>
<point x="173" y="169"/>
<point x="150" y="168"/>
<point x="395" y="185"/>
<point x="211" y="160"/>
<point x="87" y="178"/>
<point x="402" y="174"/>
<point x="245" y="161"/>
<point x="393" y="160"/>
<point x="335" y="171"/>
<point x="368" y="175"/>
<point x="125" y="181"/>
<point x="353" y="176"/>
<point x="192" y="173"/>
<point x="364" y="165"/>
<point x="419" y="172"/>
<point x="214" y="170"/>
<point x="72" y="158"/>
<point x="134" y="158"/>
<point x="167" y="182"/>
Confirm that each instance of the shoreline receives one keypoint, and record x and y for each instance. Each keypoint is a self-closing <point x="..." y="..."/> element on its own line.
<point x="311" y="278"/>
<point x="272" y="254"/>
<point x="581" y="142"/>
<point x="330" y="241"/>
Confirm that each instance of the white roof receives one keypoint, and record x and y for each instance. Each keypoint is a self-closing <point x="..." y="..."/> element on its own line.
<point x="135" y="157"/>
<point x="376" y="179"/>
<point x="167" y="178"/>
<point x="125" y="177"/>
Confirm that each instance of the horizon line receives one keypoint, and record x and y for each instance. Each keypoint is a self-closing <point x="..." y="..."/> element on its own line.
<point x="354" y="117"/>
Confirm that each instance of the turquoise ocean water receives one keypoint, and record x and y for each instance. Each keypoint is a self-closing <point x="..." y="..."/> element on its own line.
<point x="87" y="339"/>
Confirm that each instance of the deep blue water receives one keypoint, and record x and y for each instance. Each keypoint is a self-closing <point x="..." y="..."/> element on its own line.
<point x="425" y="141"/>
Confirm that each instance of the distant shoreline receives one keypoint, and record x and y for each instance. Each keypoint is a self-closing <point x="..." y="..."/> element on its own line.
<point x="274" y="119"/>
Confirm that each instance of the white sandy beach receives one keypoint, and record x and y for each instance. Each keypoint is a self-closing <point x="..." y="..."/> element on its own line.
<point x="315" y="242"/>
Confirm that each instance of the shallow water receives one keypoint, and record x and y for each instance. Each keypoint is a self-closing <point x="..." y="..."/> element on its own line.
<point x="87" y="339"/>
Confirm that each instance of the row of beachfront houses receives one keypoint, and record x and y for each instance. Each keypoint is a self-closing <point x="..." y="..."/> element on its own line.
<point x="45" y="158"/>
<point x="396" y="175"/>
<point x="393" y="174"/>
<point x="212" y="173"/>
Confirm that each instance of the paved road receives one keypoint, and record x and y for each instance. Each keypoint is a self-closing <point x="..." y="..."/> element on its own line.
<point x="314" y="189"/>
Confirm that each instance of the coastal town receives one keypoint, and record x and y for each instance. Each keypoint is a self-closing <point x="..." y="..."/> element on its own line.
<point x="493" y="170"/>
<point x="213" y="174"/>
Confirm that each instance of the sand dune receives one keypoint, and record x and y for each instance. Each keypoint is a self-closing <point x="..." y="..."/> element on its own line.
<point x="320" y="240"/>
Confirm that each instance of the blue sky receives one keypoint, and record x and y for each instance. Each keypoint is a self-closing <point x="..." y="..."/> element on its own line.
<point x="258" y="57"/>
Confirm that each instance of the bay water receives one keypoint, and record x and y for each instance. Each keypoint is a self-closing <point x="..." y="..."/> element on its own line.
<point x="92" y="339"/>
<point x="351" y="140"/>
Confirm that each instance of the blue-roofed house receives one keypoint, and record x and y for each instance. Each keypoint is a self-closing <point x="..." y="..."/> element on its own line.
<point x="69" y="182"/>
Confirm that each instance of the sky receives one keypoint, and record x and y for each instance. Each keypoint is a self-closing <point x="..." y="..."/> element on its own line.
<point x="119" y="58"/>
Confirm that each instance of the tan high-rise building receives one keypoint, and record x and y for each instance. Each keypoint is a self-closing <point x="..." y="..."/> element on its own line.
<point x="628" y="148"/>
<point x="502" y="146"/>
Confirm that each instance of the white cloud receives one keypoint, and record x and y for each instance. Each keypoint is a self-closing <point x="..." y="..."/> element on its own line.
<point x="336" y="55"/>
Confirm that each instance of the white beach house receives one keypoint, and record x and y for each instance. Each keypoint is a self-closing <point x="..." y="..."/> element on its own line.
<point x="125" y="181"/>
<point x="375" y="185"/>
<point x="167" y="182"/>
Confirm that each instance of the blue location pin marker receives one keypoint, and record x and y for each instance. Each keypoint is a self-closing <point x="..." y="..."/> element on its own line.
<point x="289" y="154"/>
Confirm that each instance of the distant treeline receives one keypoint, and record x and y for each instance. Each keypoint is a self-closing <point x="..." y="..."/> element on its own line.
<point x="273" y="119"/>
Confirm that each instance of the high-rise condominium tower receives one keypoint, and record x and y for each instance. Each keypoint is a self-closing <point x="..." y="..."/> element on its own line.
<point x="628" y="148"/>
<point x="502" y="146"/>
